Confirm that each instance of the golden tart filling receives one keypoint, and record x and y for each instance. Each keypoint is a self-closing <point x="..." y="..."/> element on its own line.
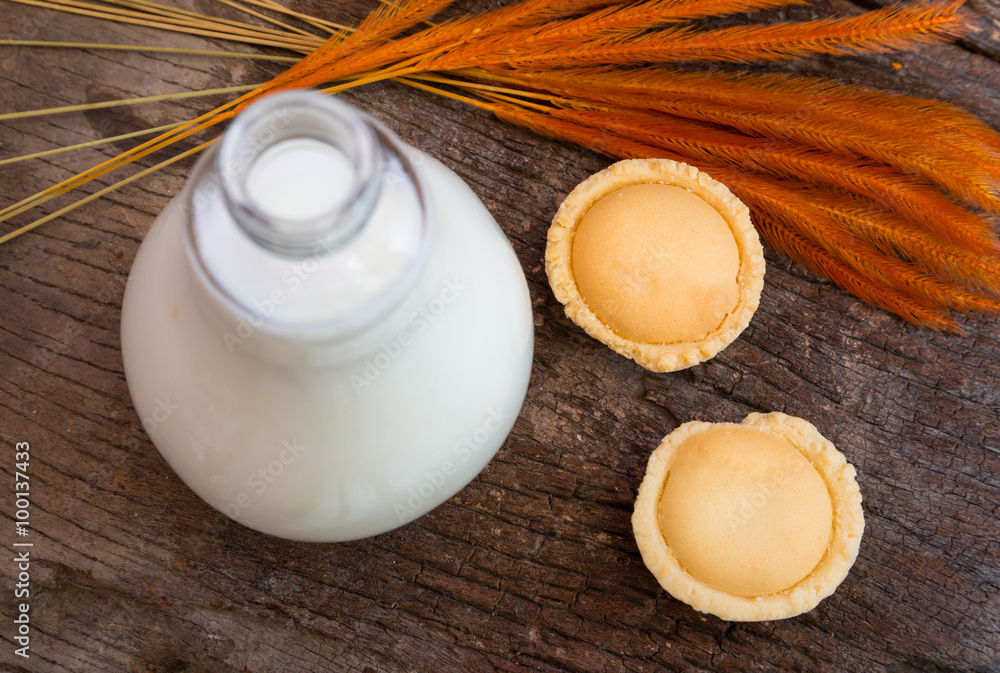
<point x="657" y="260"/>
<point x="657" y="264"/>
<point x="749" y="522"/>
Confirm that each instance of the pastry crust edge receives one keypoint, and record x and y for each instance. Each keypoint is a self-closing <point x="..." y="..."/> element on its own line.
<point x="848" y="526"/>
<point x="559" y="259"/>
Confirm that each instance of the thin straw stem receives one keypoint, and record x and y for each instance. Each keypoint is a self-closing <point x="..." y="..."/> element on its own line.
<point x="477" y="86"/>
<point x="165" y="139"/>
<point x="290" y="42"/>
<point x="95" y="172"/>
<point x="494" y="94"/>
<point x="91" y="143"/>
<point x="265" y="17"/>
<point x="441" y="92"/>
<point x="98" y="194"/>
<point x="322" y="24"/>
<point x="169" y="16"/>
<point x="139" y="47"/>
<point x="175" y="14"/>
<point x="125" y="101"/>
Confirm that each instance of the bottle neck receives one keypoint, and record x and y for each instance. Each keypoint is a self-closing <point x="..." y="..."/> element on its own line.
<point x="300" y="170"/>
<point x="308" y="222"/>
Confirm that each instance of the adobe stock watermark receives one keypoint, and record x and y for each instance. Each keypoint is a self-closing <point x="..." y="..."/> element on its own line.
<point x="419" y="321"/>
<point x="63" y="340"/>
<point x="291" y="280"/>
<point x="210" y="190"/>
<point x="22" y="551"/>
<point x="160" y="414"/>
<point x="750" y="506"/>
<point x="260" y="479"/>
<point x="462" y="452"/>
<point x="298" y="273"/>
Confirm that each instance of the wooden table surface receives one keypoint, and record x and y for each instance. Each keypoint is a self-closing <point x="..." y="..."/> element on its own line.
<point x="532" y="566"/>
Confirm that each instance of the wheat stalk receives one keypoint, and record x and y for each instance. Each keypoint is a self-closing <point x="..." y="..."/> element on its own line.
<point x="143" y="48"/>
<point x="854" y="200"/>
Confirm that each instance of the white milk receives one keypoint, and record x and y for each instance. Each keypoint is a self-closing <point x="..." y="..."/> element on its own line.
<point x="300" y="178"/>
<point x="342" y="437"/>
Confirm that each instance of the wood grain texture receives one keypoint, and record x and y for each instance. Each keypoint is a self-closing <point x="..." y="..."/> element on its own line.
<point x="532" y="567"/>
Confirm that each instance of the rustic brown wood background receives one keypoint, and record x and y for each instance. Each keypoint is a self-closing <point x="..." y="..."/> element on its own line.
<point x="532" y="566"/>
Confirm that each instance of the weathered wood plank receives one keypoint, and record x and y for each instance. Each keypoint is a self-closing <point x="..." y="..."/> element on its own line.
<point x="532" y="567"/>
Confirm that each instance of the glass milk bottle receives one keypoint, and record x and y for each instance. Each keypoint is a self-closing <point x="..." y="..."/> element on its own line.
<point x="326" y="334"/>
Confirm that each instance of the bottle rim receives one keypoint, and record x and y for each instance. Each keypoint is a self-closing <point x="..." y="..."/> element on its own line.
<point x="300" y="115"/>
<point x="391" y="149"/>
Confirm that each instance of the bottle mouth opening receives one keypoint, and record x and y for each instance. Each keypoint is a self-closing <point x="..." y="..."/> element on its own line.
<point x="333" y="264"/>
<point x="297" y="171"/>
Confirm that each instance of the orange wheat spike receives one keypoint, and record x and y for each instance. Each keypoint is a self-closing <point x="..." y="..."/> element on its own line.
<point x="894" y="236"/>
<point x="917" y="202"/>
<point x="877" y="31"/>
<point x="765" y="198"/>
<point x="968" y="174"/>
<point x="791" y="96"/>
<point x="822" y="220"/>
<point x="508" y="40"/>
<point x="697" y="9"/>
<point x="387" y="21"/>
<point x="882" y="111"/>
<point x="818" y="219"/>
<point x="824" y="246"/>
<point x="614" y="22"/>
<point x="787" y="241"/>
<point x="972" y="177"/>
<point x="363" y="53"/>
<point x="918" y="205"/>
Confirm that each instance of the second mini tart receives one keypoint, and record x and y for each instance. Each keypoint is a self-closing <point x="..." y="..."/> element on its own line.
<point x="657" y="260"/>
<point x="750" y="522"/>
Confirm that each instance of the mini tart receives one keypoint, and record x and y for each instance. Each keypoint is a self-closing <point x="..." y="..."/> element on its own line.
<point x="749" y="522"/>
<point x="657" y="260"/>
